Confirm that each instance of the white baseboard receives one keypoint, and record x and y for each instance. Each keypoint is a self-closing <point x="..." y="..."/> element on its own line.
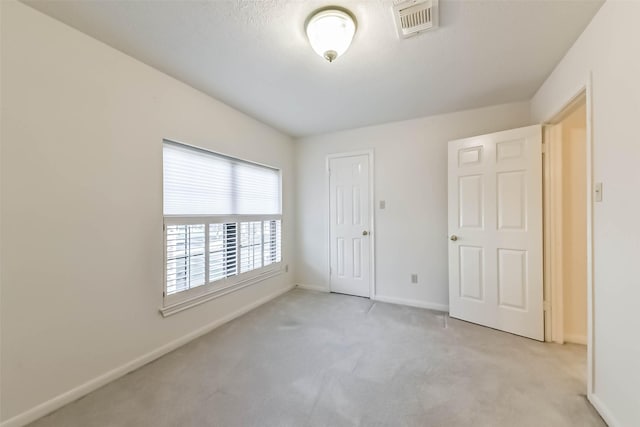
<point x="412" y="303"/>
<point x="391" y="300"/>
<point x="316" y="288"/>
<point x="604" y="412"/>
<point x="59" y="401"/>
<point x="575" y="339"/>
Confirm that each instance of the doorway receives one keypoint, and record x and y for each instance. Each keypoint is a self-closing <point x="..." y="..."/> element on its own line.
<point x="351" y="223"/>
<point x="565" y="224"/>
<point x="565" y="218"/>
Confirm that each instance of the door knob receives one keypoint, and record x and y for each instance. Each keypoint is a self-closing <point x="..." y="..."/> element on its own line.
<point x="454" y="237"/>
<point x="365" y="233"/>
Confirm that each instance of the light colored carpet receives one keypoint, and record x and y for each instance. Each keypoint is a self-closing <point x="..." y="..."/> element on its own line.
<point x="314" y="359"/>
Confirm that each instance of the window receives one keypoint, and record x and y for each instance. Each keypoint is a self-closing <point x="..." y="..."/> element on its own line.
<point x="222" y="222"/>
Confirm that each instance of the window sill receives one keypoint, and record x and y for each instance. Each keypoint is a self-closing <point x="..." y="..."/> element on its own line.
<point x="177" y="307"/>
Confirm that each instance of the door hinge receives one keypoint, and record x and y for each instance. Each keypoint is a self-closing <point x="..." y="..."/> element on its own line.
<point x="329" y="171"/>
<point x="546" y="306"/>
<point x="544" y="148"/>
<point x="330" y="271"/>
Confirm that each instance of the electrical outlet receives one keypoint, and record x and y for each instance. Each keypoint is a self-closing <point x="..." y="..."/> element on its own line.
<point x="414" y="278"/>
<point x="383" y="204"/>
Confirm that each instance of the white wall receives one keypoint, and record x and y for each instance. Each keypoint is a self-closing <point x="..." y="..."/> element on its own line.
<point x="411" y="176"/>
<point x="608" y="50"/>
<point x="82" y="206"/>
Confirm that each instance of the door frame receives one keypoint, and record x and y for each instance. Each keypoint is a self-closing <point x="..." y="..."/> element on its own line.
<point x="552" y="230"/>
<point x="372" y="235"/>
<point x="584" y="91"/>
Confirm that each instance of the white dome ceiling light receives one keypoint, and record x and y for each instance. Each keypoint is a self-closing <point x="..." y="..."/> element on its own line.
<point x="330" y="31"/>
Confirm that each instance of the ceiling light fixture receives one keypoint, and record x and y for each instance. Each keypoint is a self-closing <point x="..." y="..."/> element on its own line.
<point x="330" y="31"/>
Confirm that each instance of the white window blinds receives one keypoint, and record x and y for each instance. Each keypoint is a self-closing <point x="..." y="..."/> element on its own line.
<point x="198" y="182"/>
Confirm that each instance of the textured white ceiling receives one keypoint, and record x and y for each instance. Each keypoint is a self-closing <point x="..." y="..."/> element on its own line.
<point x="254" y="56"/>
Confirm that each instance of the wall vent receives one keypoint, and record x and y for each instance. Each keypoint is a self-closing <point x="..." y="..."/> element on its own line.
<point x="415" y="16"/>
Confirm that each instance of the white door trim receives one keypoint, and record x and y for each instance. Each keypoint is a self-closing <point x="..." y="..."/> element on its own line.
<point x="552" y="229"/>
<point x="586" y="90"/>
<point x="372" y="232"/>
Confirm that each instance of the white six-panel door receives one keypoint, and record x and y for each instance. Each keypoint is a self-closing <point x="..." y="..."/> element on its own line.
<point x="350" y="231"/>
<point x="495" y="231"/>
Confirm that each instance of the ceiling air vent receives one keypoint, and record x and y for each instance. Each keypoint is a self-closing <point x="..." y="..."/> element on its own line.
<point x="415" y="16"/>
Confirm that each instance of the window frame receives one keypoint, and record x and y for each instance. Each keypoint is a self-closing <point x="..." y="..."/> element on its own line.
<point x="182" y="300"/>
